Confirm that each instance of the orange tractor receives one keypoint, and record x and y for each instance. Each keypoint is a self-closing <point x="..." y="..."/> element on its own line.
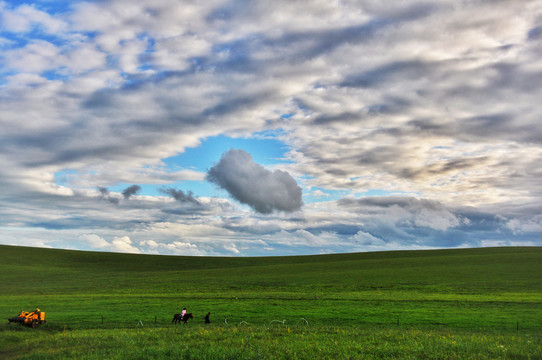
<point x="32" y="319"/>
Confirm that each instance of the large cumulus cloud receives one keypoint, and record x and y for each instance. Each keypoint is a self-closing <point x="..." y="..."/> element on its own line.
<point x="252" y="184"/>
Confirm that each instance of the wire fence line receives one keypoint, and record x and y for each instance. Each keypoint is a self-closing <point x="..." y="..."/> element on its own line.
<point x="157" y="321"/>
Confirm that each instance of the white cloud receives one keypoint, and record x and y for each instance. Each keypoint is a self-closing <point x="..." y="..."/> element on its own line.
<point x="37" y="56"/>
<point x="172" y="248"/>
<point x="175" y="53"/>
<point x="303" y="238"/>
<point x="123" y="244"/>
<point x="518" y="226"/>
<point x="231" y="247"/>
<point x="150" y="243"/>
<point x="319" y="193"/>
<point x="24" y="17"/>
<point x="86" y="57"/>
<point x="94" y="241"/>
<point x="27" y="241"/>
<point x="367" y="239"/>
<point x="438" y="220"/>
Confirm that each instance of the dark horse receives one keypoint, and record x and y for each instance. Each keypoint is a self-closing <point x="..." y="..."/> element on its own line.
<point x="178" y="318"/>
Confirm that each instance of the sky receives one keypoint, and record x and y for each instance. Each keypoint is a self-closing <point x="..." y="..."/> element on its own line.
<point x="263" y="128"/>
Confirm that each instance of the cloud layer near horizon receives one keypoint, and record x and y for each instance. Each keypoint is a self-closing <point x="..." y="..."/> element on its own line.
<point x="434" y="104"/>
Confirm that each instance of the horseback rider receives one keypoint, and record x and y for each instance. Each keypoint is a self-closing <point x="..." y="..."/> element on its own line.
<point x="183" y="313"/>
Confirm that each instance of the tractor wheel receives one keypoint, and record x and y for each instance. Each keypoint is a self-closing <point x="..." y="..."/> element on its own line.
<point x="35" y="323"/>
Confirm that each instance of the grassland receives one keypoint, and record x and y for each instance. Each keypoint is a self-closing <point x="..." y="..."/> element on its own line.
<point x="468" y="303"/>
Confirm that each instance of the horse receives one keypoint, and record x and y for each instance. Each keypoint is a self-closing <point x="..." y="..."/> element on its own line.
<point x="178" y="318"/>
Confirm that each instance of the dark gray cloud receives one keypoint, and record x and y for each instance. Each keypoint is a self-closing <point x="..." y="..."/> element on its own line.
<point x="106" y="195"/>
<point x="251" y="184"/>
<point x="180" y="195"/>
<point x="395" y="71"/>
<point x="130" y="191"/>
<point x="535" y="33"/>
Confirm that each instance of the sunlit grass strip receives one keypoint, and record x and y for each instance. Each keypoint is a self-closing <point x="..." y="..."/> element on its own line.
<point x="275" y="342"/>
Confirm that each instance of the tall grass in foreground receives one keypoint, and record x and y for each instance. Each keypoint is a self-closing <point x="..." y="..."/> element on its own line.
<point x="271" y="342"/>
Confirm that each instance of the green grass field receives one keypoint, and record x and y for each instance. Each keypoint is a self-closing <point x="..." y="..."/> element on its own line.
<point x="469" y="303"/>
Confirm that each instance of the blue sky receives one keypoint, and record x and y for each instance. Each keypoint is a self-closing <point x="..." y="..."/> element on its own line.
<point x="269" y="128"/>
<point x="265" y="150"/>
